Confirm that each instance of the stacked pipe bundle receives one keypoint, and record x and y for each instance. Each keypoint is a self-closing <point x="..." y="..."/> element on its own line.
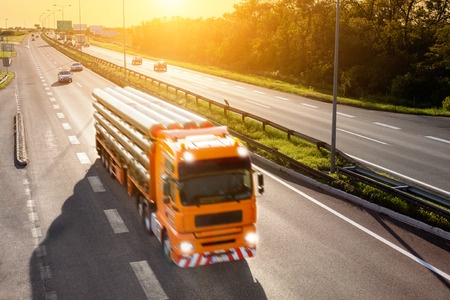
<point x="131" y="120"/>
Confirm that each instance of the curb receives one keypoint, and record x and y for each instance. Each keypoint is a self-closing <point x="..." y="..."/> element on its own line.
<point x="21" y="151"/>
<point x="354" y="199"/>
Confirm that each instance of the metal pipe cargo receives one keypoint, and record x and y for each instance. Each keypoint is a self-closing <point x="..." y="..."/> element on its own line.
<point x="130" y="160"/>
<point x="158" y="108"/>
<point x="132" y="148"/>
<point x="117" y="147"/>
<point x="129" y="131"/>
<point x="198" y="120"/>
<point x="167" y="122"/>
<point x="137" y="119"/>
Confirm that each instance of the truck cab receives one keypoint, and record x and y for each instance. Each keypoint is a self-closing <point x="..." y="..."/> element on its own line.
<point x="205" y="198"/>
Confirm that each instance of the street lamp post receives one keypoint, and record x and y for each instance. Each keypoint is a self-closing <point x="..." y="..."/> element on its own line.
<point x="53" y="12"/>
<point x="124" y="40"/>
<point x="62" y="9"/>
<point x="335" y="88"/>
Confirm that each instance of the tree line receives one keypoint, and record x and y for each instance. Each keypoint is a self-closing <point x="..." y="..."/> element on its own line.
<point x="394" y="51"/>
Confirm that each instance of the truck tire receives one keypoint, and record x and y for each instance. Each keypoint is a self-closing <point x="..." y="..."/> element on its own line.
<point x="141" y="207"/>
<point x="166" y="248"/>
<point x="148" y="221"/>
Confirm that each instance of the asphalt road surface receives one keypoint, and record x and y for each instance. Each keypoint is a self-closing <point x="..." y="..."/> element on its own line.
<point x="69" y="231"/>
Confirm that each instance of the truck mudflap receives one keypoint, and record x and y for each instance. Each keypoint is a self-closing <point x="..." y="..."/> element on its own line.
<point x="209" y="258"/>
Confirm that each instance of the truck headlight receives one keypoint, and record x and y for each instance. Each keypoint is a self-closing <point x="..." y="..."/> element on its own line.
<point x="186" y="247"/>
<point x="251" y="238"/>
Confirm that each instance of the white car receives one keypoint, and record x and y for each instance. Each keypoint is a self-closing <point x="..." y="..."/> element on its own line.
<point x="76" y="66"/>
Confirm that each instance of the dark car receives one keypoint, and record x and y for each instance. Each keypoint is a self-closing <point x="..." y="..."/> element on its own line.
<point x="76" y="66"/>
<point x="160" y="65"/>
<point x="64" y="76"/>
<point x="137" y="60"/>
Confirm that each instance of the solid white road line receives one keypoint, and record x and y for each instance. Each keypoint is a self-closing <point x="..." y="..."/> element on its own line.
<point x="360" y="227"/>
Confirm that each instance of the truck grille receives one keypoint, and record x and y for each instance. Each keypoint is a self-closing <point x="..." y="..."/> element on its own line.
<point x="218" y="219"/>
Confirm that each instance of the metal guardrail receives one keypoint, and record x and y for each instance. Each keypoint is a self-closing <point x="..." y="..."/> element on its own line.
<point x="408" y="193"/>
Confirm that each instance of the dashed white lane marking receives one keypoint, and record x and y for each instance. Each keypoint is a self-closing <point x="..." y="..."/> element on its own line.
<point x="309" y="105"/>
<point x="259" y="92"/>
<point x="362" y="136"/>
<point x="386" y="125"/>
<point x="66" y="126"/>
<point x="116" y="222"/>
<point x="437" y="139"/>
<point x="33" y="216"/>
<point x="83" y="158"/>
<point x="223" y="82"/>
<point x="252" y="102"/>
<point x="74" y="140"/>
<point x="282" y="98"/>
<point x="52" y="99"/>
<point x="60" y="115"/>
<point x="148" y="280"/>
<point x="36" y="232"/>
<point x="96" y="184"/>
<point x="202" y="86"/>
<point x="345" y="115"/>
<point x="78" y="84"/>
<point x="56" y="106"/>
<point x="239" y="87"/>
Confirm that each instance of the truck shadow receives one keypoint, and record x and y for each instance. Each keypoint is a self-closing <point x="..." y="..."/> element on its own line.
<point x="80" y="257"/>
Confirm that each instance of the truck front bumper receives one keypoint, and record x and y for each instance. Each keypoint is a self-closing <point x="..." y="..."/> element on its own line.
<point x="209" y="258"/>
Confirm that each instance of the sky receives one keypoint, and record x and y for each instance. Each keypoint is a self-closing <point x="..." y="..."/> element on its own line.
<point x="107" y="13"/>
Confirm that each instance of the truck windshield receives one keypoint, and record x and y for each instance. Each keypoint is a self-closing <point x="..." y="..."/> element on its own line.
<point x="215" y="181"/>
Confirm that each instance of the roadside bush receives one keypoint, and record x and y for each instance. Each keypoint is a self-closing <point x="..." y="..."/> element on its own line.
<point x="446" y="103"/>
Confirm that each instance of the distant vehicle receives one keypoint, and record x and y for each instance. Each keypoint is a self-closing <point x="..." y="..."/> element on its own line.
<point x="160" y="65"/>
<point x="64" y="76"/>
<point x="33" y="39"/>
<point x="76" y="66"/>
<point x="137" y="60"/>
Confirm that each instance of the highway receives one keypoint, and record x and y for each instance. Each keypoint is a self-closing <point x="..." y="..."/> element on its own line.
<point x="412" y="147"/>
<point x="70" y="231"/>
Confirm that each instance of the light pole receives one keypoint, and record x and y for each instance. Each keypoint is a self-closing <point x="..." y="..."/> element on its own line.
<point x="79" y="21"/>
<point x="53" y="12"/>
<point x="124" y="40"/>
<point x="335" y="85"/>
<point x="62" y="9"/>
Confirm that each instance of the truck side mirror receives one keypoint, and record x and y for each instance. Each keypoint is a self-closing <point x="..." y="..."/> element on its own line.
<point x="260" y="183"/>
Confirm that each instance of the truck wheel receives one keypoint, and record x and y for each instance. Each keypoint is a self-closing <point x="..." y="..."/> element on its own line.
<point x="148" y="221"/>
<point x="166" y="247"/>
<point x="141" y="208"/>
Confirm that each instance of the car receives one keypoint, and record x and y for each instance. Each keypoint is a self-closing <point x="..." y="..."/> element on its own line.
<point x="160" y="65"/>
<point x="76" y="66"/>
<point x="137" y="60"/>
<point x="64" y="76"/>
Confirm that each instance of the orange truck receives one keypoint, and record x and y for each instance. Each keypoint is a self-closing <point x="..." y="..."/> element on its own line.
<point x="193" y="184"/>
